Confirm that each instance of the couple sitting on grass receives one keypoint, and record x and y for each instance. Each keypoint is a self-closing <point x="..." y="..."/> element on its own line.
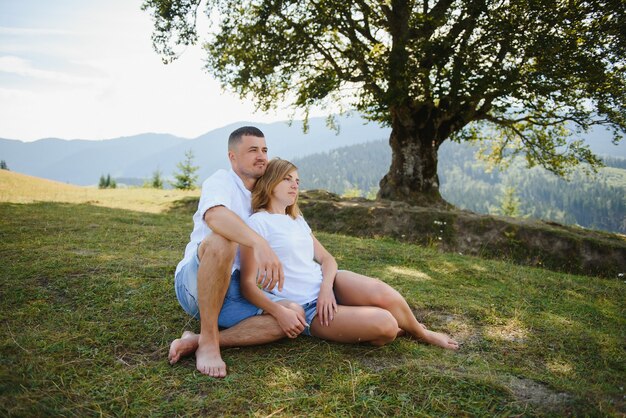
<point x="254" y="269"/>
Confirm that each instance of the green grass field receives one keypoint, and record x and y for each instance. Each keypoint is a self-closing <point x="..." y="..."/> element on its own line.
<point x="88" y="311"/>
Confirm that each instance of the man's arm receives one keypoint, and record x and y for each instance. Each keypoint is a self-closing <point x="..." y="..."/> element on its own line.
<point x="228" y="224"/>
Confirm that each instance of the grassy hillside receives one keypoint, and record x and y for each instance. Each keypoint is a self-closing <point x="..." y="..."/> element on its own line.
<point x="88" y="311"/>
<point x="20" y="188"/>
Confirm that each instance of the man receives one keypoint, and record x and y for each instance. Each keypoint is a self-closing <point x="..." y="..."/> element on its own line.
<point x="210" y="266"/>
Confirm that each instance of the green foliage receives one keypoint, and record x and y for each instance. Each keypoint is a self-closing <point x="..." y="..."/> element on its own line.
<point x="92" y="311"/>
<point x="107" y="182"/>
<point x="509" y="202"/>
<point x="597" y="201"/>
<point x="157" y="181"/>
<point x="3" y="165"/>
<point x="352" y="192"/>
<point x="535" y="73"/>
<point x="186" y="177"/>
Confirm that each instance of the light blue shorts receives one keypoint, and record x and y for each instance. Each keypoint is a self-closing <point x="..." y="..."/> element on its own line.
<point x="235" y="308"/>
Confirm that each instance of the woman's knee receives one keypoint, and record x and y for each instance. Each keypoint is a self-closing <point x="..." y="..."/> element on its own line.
<point x="293" y="306"/>
<point x="386" y="327"/>
<point x="385" y="296"/>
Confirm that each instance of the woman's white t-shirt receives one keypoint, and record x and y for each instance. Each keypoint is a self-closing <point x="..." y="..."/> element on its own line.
<point x="292" y="242"/>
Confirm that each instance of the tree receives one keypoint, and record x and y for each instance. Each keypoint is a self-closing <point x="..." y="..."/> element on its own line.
<point x="509" y="202"/>
<point x="533" y="74"/>
<point x="186" y="178"/>
<point x="157" y="181"/>
<point x="3" y="165"/>
<point x="107" y="182"/>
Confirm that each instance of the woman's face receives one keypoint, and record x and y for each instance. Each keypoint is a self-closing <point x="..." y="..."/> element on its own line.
<point x="286" y="191"/>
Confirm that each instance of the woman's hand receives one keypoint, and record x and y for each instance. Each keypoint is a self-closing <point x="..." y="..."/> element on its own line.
<point x="326" y="306"/>
<point x="291" y="322"/>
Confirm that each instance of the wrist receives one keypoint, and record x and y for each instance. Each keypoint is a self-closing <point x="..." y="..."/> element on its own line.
<point x="326" y="287"/>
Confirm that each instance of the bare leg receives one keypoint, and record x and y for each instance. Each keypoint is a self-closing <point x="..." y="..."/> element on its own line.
<point x="358" y="290"/>
<point x="256" y="330"/>
<point x="356" y="324"/>
<point x="216" y="256"/>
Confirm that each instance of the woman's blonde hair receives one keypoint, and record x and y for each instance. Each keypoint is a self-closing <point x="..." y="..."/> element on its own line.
<point x="275" y="172"/>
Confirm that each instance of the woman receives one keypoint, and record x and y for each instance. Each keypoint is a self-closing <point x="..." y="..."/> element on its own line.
<point x="306" y="301"/>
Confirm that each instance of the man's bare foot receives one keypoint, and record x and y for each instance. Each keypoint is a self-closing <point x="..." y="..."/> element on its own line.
<point x="439" y="339"/>
<point x="209" y="361"/>
<point x="184" y="346"/>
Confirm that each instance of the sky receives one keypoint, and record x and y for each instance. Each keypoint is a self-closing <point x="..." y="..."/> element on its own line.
<point x="85" y="69"/>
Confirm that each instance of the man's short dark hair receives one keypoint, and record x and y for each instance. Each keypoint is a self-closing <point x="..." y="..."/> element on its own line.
<point x="235" y="137"/>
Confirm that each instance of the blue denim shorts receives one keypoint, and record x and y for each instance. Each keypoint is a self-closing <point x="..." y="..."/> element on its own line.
<point x="235" y="308"/>
<point x="310" y="310"/>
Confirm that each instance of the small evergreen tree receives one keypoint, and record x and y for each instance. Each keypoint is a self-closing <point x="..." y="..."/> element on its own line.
<point x="186" y="178"/>
<point x="509" y="203"/>
<point x="3" y="165"/>
<point x="107" y="182"/>
<point x="352" y="192"/>
<point x="157" y="181"/>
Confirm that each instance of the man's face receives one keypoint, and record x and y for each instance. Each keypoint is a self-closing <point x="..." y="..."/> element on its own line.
<point x="249" y="158"/>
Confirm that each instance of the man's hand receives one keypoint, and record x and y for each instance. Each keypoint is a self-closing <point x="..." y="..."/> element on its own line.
<point x="326" y="305"/>
<point x="291" y="322"/>
<point x="270" y="271"/>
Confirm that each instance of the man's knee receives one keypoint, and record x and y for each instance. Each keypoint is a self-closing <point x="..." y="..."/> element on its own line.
<point x="216" y="249"/>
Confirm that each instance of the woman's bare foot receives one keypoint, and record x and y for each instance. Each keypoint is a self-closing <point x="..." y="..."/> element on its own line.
<point x="209" y="361"/>
<point x="440" y="340"/>
<point x="184" y="346"/>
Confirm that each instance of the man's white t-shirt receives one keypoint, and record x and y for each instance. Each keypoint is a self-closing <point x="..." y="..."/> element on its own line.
<point x="223" y="188"/>
<point x="292" y="242"/>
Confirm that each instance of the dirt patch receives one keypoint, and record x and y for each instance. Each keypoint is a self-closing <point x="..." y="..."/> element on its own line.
<point x="537" y="394"/>
<point x="524" y="241"/>
<point x="462" y="329"/>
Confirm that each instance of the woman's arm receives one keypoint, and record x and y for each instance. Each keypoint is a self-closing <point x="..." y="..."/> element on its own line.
<point x="326" y="302"/>
<point x="290" y="321"/>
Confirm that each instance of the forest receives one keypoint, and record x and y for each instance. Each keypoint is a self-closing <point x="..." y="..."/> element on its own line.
<point x="596" y="201"/>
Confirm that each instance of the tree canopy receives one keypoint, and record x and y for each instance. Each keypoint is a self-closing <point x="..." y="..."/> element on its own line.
<point x="529" y="74"/>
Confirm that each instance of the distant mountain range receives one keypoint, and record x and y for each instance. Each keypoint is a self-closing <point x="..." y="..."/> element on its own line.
<point x="82" y="162"/>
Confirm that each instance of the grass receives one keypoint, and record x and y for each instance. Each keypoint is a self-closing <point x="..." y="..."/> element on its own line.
<point x="88" y="311"/>
<point x="21" y="188"/>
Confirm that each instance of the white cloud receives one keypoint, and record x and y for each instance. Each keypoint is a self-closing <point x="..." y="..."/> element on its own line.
<point x="87" y="70"/>
<point x="24" y="68"/>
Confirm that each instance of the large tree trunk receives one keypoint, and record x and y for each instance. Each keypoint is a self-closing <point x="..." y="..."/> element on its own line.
<point x="412" y="177"/>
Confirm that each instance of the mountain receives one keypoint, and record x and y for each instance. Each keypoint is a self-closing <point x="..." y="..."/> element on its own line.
<point x="136" y="157"/>
<point x="82" y="162"/>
